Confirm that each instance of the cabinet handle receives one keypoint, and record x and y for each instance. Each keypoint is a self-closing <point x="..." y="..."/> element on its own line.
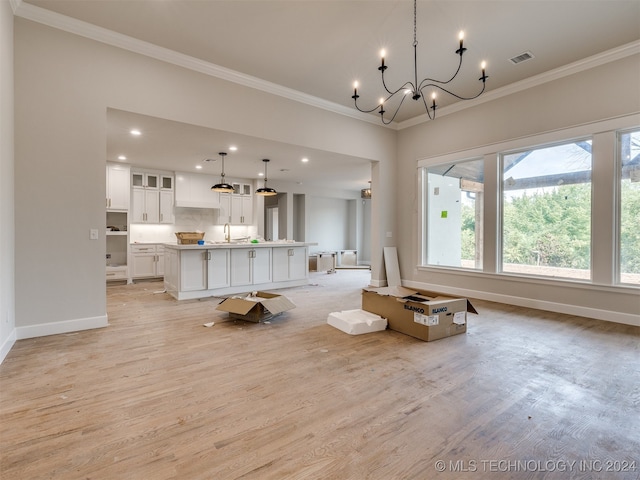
<point x="208" y="255"/>
<point x="291" y="252"/>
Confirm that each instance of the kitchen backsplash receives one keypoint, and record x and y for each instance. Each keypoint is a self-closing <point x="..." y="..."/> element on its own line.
<point x="187" y="220"/>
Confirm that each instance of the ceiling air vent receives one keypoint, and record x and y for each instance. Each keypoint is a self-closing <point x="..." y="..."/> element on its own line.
<point x="523" y="57"/>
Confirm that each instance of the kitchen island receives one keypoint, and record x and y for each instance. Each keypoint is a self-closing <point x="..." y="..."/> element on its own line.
<point x="222" y="268"/>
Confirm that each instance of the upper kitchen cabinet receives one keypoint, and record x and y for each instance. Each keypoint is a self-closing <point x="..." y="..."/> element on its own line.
<point x="241" y="210"/>
<point x="145" y="180"/>
<point x="152" y="197"/>
<point x="235" y="209"/>
<point x="241" y="188"/>
<point x="118" y="189"/>
<point x="194" y="190"/>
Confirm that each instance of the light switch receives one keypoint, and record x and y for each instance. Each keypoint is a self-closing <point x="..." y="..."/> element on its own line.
<point x="93" y="234"/>
<point x="389" y="234"/>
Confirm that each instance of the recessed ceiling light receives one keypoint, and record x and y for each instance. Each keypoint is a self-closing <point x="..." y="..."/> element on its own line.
<point x="261" y="174"/>
<point x="305" y="160"/>
<point x="135" y="132"/>
<point x="122" y="157"/>
<point x="199" y="167"/>
<point x="233" y="148"/>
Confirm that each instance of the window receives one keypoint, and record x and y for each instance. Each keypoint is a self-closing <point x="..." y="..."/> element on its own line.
<point x="629" y="233"/>
<point x="546" y="211"/>
<point x="454" y="208"/>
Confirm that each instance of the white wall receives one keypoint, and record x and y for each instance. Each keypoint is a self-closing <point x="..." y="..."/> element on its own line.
<point x="327" y="223"/>
<point x="64" y="85"/>
<point x="604" y="92"/>
<point x="7" y="239"/>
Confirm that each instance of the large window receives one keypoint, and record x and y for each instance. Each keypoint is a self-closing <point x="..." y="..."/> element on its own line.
<point x="546" y="211"/>
<point x="454" y="207"/>
<point x="630" y="207"/>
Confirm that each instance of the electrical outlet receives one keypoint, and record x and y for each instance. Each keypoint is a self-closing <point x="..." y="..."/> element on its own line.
<point x="108" y="256"/>
<point x="389" y="234"/>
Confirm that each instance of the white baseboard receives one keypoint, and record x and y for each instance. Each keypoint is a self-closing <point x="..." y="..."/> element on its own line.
<point x="65" y="326"/>
<point x="7" y="345"/>
<point x="598" y="314"/>
<point x="378" y="283"/>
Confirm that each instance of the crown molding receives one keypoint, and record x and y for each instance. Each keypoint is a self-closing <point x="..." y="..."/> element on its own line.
<point x="15" y="4"/>
<point x="603" y="58"/>
<point x="109" y="37"/>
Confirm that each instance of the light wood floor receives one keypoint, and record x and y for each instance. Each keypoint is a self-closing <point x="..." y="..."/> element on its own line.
<point x="156" y="395"/>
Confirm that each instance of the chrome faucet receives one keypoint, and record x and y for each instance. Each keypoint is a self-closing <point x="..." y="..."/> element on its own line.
<point x="227" y="233"/>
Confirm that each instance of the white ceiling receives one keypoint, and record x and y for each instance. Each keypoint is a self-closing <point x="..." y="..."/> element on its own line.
<point x="319" y="47"/>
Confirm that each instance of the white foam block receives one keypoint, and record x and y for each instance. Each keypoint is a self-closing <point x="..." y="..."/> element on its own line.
<point x="357" y="322"/>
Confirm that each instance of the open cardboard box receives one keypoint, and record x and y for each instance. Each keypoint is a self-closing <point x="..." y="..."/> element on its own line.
<point x="263" y="306"/>
<point x="425" y="315"/>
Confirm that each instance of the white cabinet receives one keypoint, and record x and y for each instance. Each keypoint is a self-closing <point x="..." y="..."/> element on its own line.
<point x="145" y="206"/>
<point x="224" y="211"/>
<point x="118" y="188"/>
<point x="147" y="261"/>
<point x="145" y="180"/>
<point x="194" y="190"/>
<point x="241" y="209"/>
<point x="250" y="266"/>
<point x="235" y="209"/>
<point x="204" y="269"/>
<point x="290" y="263"/>
<point x="218" y="273"/>
<point x="152" y="198"/>
<point x="166" y="207"/>
<point x="241" y="188"/>
<point x="193" y="270"/>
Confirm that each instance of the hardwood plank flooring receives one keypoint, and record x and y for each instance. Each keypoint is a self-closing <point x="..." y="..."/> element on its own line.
<point x="524" y="394"/>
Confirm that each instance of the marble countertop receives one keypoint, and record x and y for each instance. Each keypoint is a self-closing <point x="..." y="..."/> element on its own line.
<point x="208" y="245"/>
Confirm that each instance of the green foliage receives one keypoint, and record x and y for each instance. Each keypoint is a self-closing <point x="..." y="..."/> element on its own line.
<point x="630" y="228"/>
<point x="554" y="228"/>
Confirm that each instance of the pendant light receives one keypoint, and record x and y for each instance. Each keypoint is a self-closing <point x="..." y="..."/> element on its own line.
<point x="222" y="187"/>
<point x="266" y="191"/>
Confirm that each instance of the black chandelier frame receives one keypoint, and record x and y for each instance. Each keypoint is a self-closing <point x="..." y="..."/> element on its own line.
<point x="415" y="88"/>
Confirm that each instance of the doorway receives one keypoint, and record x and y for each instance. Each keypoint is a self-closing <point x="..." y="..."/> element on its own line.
<point x="272" y="223"/>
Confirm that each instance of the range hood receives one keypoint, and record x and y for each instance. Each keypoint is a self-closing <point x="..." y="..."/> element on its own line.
<point x="193" y="190"/>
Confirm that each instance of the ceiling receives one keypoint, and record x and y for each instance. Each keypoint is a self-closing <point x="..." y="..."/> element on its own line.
<point x="319" y="47"/>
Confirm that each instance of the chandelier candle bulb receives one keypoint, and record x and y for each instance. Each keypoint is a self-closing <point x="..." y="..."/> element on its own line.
<point x="415" y="87"/>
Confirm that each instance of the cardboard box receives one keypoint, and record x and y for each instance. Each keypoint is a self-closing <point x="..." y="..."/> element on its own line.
<point x="189" y="238"/>
<point x="263" y="306"/>
<point x="357" y="322"/>
<point x="425" y="315"/>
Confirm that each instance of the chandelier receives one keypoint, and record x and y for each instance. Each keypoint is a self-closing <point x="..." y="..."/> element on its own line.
<point x="415" y="89"/>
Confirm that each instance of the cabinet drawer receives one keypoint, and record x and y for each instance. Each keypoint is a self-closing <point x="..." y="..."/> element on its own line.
<point x="117" y="273"/>
<point x="152" y="248"/>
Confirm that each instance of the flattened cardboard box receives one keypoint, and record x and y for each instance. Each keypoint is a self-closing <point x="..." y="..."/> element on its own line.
<point x="425" y="315"/>
<point x="263" y="306"/>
